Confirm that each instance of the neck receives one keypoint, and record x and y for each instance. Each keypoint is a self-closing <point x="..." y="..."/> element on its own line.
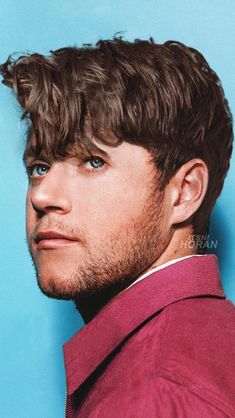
<point x="90" y="305"/>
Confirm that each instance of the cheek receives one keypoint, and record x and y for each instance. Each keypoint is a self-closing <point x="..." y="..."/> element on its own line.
<point x="30" y="215"/>
<point x="109" y="207"/>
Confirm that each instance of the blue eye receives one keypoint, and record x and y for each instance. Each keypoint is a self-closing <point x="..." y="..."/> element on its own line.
<point x="37" y="170"/>
<point x="96" y="162"/>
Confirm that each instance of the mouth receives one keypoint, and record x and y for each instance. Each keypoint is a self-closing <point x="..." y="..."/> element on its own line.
<point x="46" y="240"/>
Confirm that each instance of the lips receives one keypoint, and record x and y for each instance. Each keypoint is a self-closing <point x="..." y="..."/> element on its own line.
<point x="53" y="240"/>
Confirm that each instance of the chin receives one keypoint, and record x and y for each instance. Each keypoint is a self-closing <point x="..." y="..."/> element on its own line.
<point x="55" y="287"/>
<point x="55" y="292"/>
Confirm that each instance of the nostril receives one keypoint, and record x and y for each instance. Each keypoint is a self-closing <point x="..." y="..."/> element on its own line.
<point x="39" y="212"/>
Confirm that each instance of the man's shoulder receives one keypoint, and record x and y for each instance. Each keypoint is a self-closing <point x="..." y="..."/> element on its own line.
<point x="171" y="366"/>
<point x="200" y="323"/>
<point x="195" y="324"/>
<point x="198" y="348"/>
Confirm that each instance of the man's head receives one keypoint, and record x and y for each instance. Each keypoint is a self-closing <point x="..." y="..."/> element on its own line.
<point x="134" y="142"/>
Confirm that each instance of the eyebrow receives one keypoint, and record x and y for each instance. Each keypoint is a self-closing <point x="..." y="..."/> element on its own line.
<point x="31" y="152"/>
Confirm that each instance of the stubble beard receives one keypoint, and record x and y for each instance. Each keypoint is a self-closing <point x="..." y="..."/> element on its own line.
<point x="113" y="265"/>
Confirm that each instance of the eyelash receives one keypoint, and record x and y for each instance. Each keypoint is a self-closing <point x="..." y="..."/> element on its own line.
<point x="30" y="168"/>
<point x="92" y="158"/>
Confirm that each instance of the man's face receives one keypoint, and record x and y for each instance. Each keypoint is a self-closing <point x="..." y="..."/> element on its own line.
<point x="93" y="222"/>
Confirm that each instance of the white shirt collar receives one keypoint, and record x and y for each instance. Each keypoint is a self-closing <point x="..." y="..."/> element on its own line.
<point x="168" y="263"/>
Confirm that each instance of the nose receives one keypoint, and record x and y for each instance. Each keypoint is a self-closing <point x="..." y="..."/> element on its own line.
<point x="50" y="193"/>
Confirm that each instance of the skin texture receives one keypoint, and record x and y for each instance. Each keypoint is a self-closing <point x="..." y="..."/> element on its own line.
<point x="115" y="223"/>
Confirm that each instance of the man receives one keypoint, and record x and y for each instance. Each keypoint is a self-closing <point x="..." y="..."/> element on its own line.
<point x="128" y="147"/>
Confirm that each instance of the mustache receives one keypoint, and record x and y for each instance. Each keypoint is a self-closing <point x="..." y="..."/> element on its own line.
<point x="72" y="231"/>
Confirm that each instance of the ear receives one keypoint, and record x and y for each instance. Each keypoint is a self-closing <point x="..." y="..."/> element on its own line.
<point x="187" y="189"/>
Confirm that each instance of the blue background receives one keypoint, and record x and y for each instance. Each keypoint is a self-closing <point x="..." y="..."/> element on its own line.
<point x="33" y="328"/>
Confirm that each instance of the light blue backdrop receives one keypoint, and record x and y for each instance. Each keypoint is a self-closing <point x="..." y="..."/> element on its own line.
<point x="33" y="328"/>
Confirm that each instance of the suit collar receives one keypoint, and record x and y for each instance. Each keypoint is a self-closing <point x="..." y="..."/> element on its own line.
<point x="195" y="276"/>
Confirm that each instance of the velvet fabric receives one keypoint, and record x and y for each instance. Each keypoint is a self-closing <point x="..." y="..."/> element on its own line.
<point x="164" y="348"/>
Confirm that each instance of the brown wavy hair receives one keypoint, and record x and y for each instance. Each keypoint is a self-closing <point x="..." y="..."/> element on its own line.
<point x="165" y="98"/>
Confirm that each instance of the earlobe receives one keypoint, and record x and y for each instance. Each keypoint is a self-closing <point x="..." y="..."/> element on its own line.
<point x="188" y="188"/>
